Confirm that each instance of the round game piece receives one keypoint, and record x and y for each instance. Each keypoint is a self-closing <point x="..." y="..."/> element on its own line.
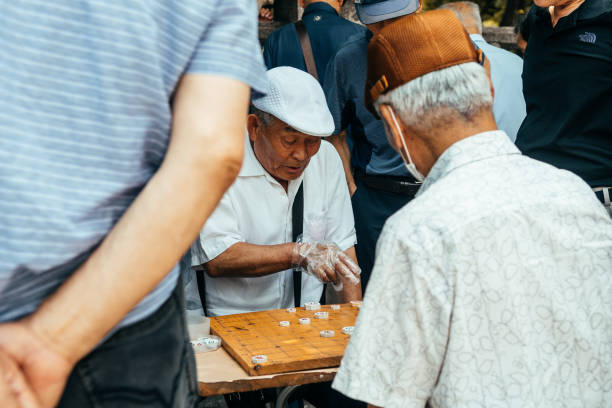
<point x="356" y="303"/>
<point x="211" y="342"/>
<point x="327" y="333"/>
<point x="348" y="330"/>
<point x="284" y="323"/>
<point x="206" y="343"/>
<point x="312" y="305"/>
<point x="321" y="315"/>
<point x="291" y="310"/>
<point x="335" y="307"/>
<point x="259" y="359"/>
<point x="304" y="320"/>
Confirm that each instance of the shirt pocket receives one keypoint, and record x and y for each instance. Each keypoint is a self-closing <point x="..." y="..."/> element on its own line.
<point x="315" y="226"/>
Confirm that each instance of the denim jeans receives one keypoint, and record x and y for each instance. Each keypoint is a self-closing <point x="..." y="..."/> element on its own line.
<point x="147" y="364"/>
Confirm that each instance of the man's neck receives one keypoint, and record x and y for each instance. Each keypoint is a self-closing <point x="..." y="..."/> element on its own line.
<point x="437" y="140"/>
<point x="562" y="10"/>
<point x="376" y="27"/>
<point x="333" y="3"/>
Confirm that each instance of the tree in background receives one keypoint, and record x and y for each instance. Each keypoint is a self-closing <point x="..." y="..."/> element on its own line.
<point x="493" y="12"/>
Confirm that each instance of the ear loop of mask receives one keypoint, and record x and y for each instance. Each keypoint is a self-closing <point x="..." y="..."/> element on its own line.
<point x="410" y="165"/>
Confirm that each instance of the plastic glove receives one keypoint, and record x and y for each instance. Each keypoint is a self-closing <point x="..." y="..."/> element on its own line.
<point x="326" y="262"/>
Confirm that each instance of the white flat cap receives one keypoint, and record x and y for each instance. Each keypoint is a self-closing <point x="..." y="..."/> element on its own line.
<point x="296" y="98"/>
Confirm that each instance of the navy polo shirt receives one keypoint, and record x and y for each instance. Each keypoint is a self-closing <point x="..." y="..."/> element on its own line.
<point x="567" y="83"/>
<point x="327" y="32"/>
<point x="344" y="87"/>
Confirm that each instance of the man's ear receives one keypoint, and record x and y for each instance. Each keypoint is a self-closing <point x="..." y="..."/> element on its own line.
<point x="253" y="126"/>
<point x="387" y="117"/>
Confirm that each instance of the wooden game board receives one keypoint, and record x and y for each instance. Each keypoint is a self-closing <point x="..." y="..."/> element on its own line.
<point x="293" y="348"/>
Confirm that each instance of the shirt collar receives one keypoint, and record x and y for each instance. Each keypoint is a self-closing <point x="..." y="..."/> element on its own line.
<point x="319" y="7"/>
<point x="250" y="165"/>
<point x="478" y="147"/>
<point x="477" y="37"/>
<point x="586" y="11"/>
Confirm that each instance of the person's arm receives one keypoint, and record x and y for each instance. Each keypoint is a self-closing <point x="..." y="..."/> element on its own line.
<point x="203" y="158"/>
<point x="407" y="313"/>
<point x="350" y="291"/>
<point x="244" y="260"/>
<point x="249" y="260"/>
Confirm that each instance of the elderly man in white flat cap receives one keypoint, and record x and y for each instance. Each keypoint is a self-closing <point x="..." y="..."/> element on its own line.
<point x="248" y="246"/>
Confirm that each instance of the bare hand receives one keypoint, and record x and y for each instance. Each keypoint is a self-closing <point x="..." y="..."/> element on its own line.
<point x="14" y="389"/>
<point x="43" y="371"/>
<point x="266" y="13"/>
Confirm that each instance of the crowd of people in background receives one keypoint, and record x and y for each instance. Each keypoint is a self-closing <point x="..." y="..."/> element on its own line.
<point x="463" y="192"/>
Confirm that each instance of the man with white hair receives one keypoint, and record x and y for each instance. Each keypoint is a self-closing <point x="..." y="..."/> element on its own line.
<point x="506" y="69"/>
<point x="492" y="287"/>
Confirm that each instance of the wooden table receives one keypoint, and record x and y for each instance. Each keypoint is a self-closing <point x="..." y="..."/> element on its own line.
<point x="219" y="373"/>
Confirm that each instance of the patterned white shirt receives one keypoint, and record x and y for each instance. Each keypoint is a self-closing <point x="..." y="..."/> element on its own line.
<point x="492" y="288"/>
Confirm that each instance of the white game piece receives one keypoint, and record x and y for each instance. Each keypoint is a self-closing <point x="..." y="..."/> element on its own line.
<point x="207" y="343"/>
<point x="348" y="330"/>
<point x="335" y="307"/>
<point x="321" y="315"/>
<point x="327" y="333"/>
<point x="291" y="310"/>
<point x="284" y="323"/>
<point x="304" y="320"/>
<point x="312" y="305"/>
<point x="356" y="303"/>
<point x="212" y="342"/>
<point x="259" y="359"/>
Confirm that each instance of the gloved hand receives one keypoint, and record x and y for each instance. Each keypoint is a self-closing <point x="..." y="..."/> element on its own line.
<point x="326" y="262"/>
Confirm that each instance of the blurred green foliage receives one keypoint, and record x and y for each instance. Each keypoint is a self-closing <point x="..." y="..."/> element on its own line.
<point x="491" y="11"/>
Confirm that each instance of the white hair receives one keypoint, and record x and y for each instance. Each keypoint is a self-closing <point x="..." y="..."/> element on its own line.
<point x="435" y="98"/>
<point x="467" y="12"/>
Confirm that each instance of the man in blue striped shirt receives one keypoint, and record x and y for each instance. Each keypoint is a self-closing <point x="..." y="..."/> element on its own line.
<point x="121" y="126"/>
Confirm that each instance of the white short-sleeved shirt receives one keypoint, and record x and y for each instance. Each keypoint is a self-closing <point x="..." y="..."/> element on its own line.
<point x="257" y="210"/>
<point x="492" y="288"/>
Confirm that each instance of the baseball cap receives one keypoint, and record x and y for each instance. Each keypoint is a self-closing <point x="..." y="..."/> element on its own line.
<point x="414" y="46"/>
<point x="296" y="98"/>
<point x="373" y="11"/>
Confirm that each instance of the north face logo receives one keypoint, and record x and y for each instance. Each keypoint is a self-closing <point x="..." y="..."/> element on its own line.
<point x="588" y="38"/>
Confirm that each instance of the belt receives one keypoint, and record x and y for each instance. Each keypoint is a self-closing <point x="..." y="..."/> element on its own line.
<point x="391" y="184"/>
<point x="603" y="194"/>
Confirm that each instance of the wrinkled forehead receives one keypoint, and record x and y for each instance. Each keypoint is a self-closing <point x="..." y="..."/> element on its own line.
<point x="277" y="129"/>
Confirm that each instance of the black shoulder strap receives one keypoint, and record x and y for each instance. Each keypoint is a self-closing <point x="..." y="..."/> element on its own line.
<point x="311" y="67"/>
<point x="297" y="214"/>
<point x="201" y="280"/>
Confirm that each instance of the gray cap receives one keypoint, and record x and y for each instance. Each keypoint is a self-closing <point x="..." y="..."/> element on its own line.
<point x="374" y="11"/>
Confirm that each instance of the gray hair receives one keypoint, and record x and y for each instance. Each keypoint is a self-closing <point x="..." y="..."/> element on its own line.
<point x="467" y="12"/>
<point x="435" y="98"/>
<point x="264" y="117"/>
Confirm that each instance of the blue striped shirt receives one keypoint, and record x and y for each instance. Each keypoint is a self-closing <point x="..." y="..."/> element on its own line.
<point x="85" y="115"/>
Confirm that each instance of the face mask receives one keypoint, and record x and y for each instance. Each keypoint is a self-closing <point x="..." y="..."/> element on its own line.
<point x="407" y="159"/>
